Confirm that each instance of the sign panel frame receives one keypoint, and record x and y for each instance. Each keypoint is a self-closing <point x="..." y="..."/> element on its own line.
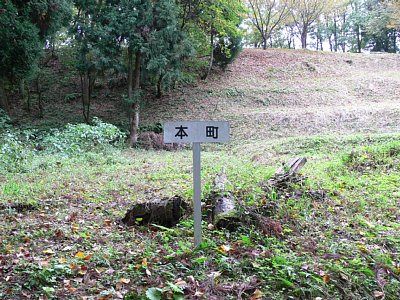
<point x="197" y="132"/>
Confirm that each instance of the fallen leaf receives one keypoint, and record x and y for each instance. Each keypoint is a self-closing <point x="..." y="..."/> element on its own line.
<point x="144" y="263"/>
<point x="326" y="278"/>
<point x="80" y="255"/>
<point x="378" y="294"/>
<point x="148" y="273"/>
<point x="181" y="283"/>
<point x="87" y="257"/>
<point x="83" y="270"/>
<point x="48" y="251"/>
<point x="214" y="274"/>
<point x="224" y="248"/>
<point x="62" y="260"/>
<point x="71" y="289"/>
<point x="108" y="222"/>
<point x="74" y="228"/>
<point x="198" y="294"/>
<point x="256" y="295"/>
<point x="99" y="270"/>
<point x="125" y="280"/>
<point x="44" y="263"/>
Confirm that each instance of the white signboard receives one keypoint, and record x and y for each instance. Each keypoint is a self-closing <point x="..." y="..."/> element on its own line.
<point x="196" y="132"/>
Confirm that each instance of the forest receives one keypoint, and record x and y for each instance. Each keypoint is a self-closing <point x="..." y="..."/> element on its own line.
<point x="303" y="201"/>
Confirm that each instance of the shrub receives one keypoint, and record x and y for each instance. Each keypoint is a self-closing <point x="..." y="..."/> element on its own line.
<point x="83" y="137"/>
<point x="5" y="121"/>
<point x="14" y="154"/>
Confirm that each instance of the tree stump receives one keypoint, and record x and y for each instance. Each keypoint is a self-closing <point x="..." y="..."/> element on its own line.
<point x="165" y="212"/>
<point x="223" y="213"/>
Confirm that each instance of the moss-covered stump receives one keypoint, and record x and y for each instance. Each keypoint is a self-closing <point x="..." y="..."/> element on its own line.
<point x="165" y="212"/>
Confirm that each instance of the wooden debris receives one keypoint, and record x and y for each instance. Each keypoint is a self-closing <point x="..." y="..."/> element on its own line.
<point x="165" y="212"/>
<point x="19" y="207"/>
<point x="287" y="173"/>
<point x="223" y="213"/>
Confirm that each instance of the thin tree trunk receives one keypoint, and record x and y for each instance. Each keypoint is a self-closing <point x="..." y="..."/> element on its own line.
<point x="24" y="94"/>
<point x="134" y="126"/>
<point x="211" y="56"/>
<point x="335" y="34"/>
<point x="358" y="39"/>
<point x="39" y="93"/>
<point x="3" y="99"/>
<point x="159" y="86"/>
<point x="304" y="38"/>
<point x="264" y="43"/>
<point x="85" y="85"/>
<point x="130" y="74"/>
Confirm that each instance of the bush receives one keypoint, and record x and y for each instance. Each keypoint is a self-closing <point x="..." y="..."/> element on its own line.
<point x="14" y="154"/>
<point x="83" y="137"/>
<point x="5" y="121"/>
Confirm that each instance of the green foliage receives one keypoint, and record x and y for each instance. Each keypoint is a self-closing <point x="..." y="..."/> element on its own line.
<point x="226" y="50"/>
<point x="82" y="137"/>
<point x="20" y="43"/>
<point x="25" y="28"/>
<point x="5" y="121"/>
<point x="14" y="153"/>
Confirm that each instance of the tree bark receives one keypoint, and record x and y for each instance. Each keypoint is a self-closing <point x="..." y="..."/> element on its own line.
<point x="264" y="44"/>
<point x="335" y="34"/>
<point x="3" y="99"/>
<point x="223" y="213"/>
<point x="210" y="64"/>
<point x="85" y="85"/>
<point x="358" y="39"/>
<point x="304" y="37"/>
<point x="134" y="119"/>
<point x="159" y="86"/>
<point x="24" y="94"/>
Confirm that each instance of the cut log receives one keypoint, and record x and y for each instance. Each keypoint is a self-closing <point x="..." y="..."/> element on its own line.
<point x="293" y="166"/>
<point x="224" y="213"/>
<point x="165" y="212"/>
<point x="287" y="173"/>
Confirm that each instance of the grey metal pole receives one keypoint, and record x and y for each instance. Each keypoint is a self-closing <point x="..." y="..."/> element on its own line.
<point x="197" y="193"/>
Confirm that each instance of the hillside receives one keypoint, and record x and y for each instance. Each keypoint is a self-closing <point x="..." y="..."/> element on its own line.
<point x="265" y="94"/>
<point x="281" y="93"/>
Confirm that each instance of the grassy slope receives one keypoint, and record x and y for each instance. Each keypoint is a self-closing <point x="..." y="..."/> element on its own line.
<point x="340" y="226"/>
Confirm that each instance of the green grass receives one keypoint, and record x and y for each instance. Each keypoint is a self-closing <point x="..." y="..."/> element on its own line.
<point x="340" y="225"/>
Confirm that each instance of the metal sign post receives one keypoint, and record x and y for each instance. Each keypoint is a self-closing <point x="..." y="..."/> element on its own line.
<point x="196" y="132"/>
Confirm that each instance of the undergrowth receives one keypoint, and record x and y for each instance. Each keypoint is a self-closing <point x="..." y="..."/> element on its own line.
<point x="338" y="234"/>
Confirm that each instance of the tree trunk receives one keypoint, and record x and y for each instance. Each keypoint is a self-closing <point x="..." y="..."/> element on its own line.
<point x="159" y="86"/>
<point x="264" y="43"/>
<point x="3" y="99"/>
<point x="335" y="34"/>
<point x="24" y="94"/>
<point x="210" y="64"/>
<point x="358" y="39"/>
<point x="134" y="119"/>
<point x="304" y="37"/>
<point x="39" y="93"/>
<point x="85" y="85"/>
